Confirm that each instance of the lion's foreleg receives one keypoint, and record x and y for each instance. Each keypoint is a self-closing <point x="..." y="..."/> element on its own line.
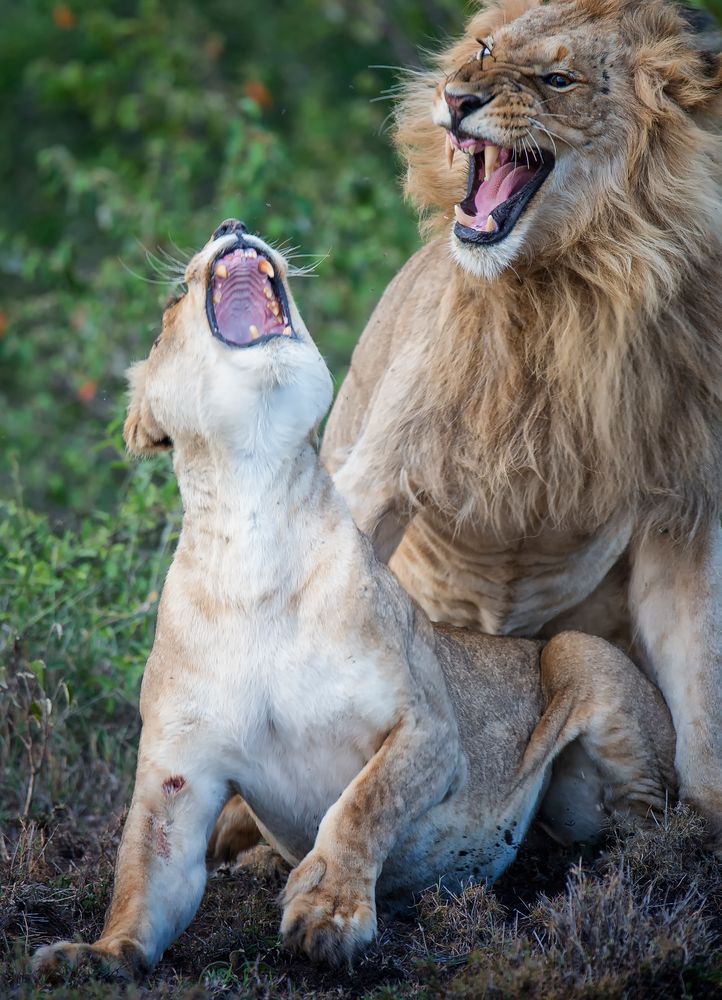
<point x="676" y="601"/>
<point x="160" y="872"/>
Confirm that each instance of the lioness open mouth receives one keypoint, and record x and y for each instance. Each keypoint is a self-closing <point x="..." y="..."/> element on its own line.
<point x="246" y="304"/>
<point x="502" y="183"/>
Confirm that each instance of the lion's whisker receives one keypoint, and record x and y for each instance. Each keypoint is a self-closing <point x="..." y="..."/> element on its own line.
<point x="552" y="135"/>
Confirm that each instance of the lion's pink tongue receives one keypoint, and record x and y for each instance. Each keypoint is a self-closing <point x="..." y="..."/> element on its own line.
<point x="502" y="185"/>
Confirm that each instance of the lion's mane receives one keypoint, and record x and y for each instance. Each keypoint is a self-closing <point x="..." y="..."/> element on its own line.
<point x="599" y="387"/>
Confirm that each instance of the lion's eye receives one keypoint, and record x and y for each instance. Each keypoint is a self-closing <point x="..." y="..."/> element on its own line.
<point x="485" y="50"/>
<point x="559" y="81"/>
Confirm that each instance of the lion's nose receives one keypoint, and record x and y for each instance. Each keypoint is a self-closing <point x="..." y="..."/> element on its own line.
<point x="228" y="227"/>
<point x="462" y="105"/>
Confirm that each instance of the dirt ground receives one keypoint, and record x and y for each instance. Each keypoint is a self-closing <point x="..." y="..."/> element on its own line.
<point x="640" y="918"/>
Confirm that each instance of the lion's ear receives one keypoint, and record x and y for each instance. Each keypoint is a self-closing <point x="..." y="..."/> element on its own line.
<point x="691" y="77"/>
<point x="142" y="433"/>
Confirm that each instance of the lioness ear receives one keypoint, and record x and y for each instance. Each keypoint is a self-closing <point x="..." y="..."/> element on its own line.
<point x="142" y="433"/>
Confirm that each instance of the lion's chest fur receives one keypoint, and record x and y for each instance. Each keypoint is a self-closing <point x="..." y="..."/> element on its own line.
<point x="503" y="587"/>
<point x="523" y="419"/>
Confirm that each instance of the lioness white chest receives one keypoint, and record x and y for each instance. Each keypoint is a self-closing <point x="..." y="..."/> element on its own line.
<point x="290" y="706"/>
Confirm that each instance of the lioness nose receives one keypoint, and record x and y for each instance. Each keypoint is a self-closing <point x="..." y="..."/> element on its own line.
<point x="463" y="104"/>
<point x="228" y="227"/>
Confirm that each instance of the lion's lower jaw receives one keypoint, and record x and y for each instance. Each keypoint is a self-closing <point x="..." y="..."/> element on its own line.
<point x="487" y="263"/>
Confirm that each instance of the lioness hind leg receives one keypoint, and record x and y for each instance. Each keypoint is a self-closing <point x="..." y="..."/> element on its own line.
<point x="160" y="874"/>
<point x="235" y="832"/>
<point x="609" y="734"/>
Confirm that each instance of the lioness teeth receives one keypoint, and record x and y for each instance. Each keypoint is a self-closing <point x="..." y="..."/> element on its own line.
<point x="491" y="157"/>
<point x="491" y="226"/>
<point x="264" y="266"/>
<point x="253" y="330"/>
<point x="216" y="298"/>
<point x="250" y="252"/>
<point x="287" y="331"/>
<point x="462" y="217"/>
<point x="221" y="271"/>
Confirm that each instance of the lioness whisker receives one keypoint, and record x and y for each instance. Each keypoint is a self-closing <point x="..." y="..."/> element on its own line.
<point x="173" y="260"/>
<point x="168" y="282"/>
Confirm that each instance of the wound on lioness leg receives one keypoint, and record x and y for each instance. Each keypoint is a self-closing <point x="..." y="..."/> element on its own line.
<point x="172" y="785"/>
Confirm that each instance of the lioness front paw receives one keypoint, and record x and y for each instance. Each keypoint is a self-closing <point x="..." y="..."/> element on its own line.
<point x="327" y="913"/>
<point x="123" y="959"/>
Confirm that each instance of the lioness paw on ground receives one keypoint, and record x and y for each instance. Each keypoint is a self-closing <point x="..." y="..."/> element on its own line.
<point x="328" y="912"/>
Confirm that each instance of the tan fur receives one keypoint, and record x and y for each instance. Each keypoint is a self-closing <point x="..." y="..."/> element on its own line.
<point x="604" y="352"/>
<point x="377" y="755"/>
<point x="518" y="435"/>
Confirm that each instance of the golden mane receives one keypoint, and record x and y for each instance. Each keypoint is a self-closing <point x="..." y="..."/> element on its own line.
<point x="597" y="383"/>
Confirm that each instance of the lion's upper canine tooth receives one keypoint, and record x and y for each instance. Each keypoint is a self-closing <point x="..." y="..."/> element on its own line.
<point x="450" y="150"/>
<point x="264" y="266"/>
<point x="491" y="157"/>
<point x="463" y="218"/>
<point x="221" y="271"/>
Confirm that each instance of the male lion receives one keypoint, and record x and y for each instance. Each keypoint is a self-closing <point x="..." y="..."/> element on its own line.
<point x="291" y="666"/>
<point x="531" y="425"/>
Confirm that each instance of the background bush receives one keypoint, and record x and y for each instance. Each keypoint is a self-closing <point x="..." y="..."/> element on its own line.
<point x="137" y="124"/>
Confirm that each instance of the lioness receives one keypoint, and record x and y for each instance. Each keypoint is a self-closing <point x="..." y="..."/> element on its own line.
<point x="532" y="423"/>
<point x="291" y="666"/>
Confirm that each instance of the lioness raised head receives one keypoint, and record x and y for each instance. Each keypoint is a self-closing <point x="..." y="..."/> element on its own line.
<point x="570" y="115"/>
<point x="372" y="750"/>
<point x="234" y="365"/>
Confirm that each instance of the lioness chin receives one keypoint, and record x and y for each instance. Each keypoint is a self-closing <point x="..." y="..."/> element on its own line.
<point x="377" y="754"/>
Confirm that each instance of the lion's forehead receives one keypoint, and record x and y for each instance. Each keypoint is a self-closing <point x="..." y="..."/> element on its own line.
<point x="544" y="36"/>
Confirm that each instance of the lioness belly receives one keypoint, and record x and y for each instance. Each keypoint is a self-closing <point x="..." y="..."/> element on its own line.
<point x="507" y="587"/>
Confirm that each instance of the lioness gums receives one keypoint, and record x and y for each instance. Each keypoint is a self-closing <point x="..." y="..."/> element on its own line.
<point x="289" y="665"/>
<point x="531" y="428"/>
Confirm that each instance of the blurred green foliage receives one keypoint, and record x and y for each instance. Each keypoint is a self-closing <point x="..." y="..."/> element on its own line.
<point x="143" y="124"/>
<point x="133" y="124"/>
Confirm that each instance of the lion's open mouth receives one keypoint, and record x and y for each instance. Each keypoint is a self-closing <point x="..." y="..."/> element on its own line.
<point x="246" y="303"/>
<point x="502" y="183"/>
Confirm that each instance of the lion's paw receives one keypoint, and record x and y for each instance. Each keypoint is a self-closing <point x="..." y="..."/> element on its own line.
<point x="54" y="963"/>
<point x="329" y="916"/>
